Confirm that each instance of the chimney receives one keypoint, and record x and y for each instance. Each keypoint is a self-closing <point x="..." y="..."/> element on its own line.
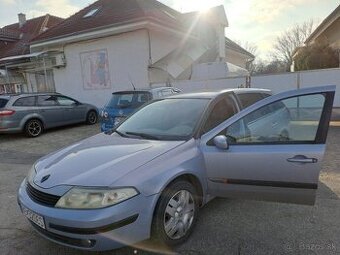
<point x="22" y="19"/>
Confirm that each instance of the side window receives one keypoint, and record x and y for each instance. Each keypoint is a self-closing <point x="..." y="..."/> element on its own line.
<point x="25" y="101"/>
<point x="47" y="101"/>
<point x="65" y="101"/>
<point x="223" y="110"/>
<point x="293" y="120"/>
<point x="248" y="99"/>
<point x="3" y="102"/>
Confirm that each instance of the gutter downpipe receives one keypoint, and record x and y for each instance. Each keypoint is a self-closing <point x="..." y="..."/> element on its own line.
<point x="7" y="78"/>
<point x="45" y="73"/>
<point x="150" y="54"/>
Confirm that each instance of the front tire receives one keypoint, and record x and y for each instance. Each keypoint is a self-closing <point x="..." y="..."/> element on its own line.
<point x="91" y="118"/>
<point x="176" y="214"/>
<point x="33" y="128"/>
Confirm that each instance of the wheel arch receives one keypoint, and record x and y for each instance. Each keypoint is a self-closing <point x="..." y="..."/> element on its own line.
<point x="192" y="179"/>
<point x="31" y="117"/>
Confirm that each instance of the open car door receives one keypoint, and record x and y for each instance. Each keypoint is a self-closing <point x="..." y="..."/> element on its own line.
<point x="271" y="150"/>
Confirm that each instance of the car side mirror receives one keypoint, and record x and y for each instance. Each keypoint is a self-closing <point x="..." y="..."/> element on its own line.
<point x="221" y="142"/>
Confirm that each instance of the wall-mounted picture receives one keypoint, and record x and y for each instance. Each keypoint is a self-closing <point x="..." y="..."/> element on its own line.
<point x="95" y="69"/>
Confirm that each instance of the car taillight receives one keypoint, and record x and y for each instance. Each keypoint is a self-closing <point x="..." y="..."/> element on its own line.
<point x="6" y="112"/>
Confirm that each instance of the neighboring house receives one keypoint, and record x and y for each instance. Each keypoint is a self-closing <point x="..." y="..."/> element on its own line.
<point x="328" y="32"/>
<point x="15" y="49"/>
<point x="236" y="55"/>
<point x="110" y="45"/>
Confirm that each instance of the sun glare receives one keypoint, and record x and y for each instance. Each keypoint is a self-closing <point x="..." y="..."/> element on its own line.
<point x="198" y="5"/>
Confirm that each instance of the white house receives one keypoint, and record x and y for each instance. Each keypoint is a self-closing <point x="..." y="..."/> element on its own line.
<point x="109" y="45"/>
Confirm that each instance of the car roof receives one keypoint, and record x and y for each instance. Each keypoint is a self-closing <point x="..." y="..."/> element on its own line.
<point x="142" y="90"/>
<point x="27" y="94"/>
<point x="214" y="94"/>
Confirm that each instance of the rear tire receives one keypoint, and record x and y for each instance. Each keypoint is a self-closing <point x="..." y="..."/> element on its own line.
<point x="175" y="214"/>
<point x="33" y="128"/>
<point x="92" y="117"/>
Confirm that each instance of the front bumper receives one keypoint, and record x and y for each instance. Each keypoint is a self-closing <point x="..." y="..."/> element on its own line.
<point x="97" y="230"/>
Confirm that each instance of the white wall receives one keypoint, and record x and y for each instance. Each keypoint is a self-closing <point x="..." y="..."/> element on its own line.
<point x="162" y="44"/>
<point x="275" y="82"/>
<point x="128" y="56"/>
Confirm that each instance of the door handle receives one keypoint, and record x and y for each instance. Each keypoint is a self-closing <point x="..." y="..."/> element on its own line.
<point x="302" y="159"/>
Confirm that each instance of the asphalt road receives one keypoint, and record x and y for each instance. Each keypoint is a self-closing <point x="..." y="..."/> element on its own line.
<point x="224" y="226"/>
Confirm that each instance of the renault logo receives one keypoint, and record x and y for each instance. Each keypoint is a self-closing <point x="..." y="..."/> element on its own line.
<point x="45" y="178"/>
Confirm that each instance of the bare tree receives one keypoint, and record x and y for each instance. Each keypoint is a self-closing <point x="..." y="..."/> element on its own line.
<point x="293" y="38"/>
<point x="248" y="46"/>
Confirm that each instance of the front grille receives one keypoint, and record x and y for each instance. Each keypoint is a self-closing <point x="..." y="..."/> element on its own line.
<point x="41" y="197"/>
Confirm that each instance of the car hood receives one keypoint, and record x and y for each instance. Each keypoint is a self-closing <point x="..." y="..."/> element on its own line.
<point x="98" y="161"/>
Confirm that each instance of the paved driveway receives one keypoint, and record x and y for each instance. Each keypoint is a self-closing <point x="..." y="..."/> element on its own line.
<point x="224" y="226"/>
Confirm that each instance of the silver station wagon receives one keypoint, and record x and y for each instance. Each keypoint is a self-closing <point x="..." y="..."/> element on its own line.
<point x="150" y="175"/>
<point x="33" y="113"/>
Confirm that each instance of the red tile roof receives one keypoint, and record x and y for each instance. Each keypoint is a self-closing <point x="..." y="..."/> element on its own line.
<point x="110" y="13"/>
<point x="15" y="40"/>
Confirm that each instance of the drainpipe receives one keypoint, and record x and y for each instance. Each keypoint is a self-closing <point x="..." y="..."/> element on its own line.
<point x="150" y="54"/>
<point x="45" y="73"/>
<point x="7" y="79"/>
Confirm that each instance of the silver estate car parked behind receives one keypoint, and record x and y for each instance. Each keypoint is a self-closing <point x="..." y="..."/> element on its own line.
<point x="33" y="113"/>
<point x="150" y="175"/>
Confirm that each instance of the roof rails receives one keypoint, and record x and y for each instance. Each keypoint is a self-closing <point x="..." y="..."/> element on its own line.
<point x="27" y="93"/>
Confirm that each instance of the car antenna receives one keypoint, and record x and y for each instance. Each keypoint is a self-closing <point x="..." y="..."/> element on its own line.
<point x="133" y="85"/>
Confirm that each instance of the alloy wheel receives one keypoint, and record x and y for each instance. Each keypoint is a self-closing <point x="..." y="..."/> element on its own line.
<point x="34" y="128"/>
<point x="92" y="118"/>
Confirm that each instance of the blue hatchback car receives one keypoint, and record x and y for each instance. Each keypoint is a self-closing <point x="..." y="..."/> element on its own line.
<point x="123" y="103"/>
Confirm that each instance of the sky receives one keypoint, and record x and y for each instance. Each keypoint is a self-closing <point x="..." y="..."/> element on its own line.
<point x="258" y="22"/>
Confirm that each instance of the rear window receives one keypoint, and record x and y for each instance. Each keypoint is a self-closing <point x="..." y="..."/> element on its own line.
<point x="25" y="101"/>
<point x="3" y="102"/>
<point x="129" y="100"/>
<point x="248" y="99"/>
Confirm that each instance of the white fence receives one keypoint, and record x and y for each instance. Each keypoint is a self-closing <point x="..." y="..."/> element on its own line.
<point x="275" y="82"/>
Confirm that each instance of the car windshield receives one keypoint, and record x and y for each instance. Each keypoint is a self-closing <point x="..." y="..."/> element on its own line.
<point x="128" y="100"/>
<point x="3" y="102"/>
<point x="167" y="119"/>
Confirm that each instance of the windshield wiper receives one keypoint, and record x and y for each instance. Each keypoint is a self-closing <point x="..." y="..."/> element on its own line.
<point x="110" y="132"/>
<point x="142" y="135"/>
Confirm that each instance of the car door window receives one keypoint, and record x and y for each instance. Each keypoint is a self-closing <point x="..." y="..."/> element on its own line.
<point x="65" y="101"/>
<point x="248" y="99"/>
<point x="47" y="101"/>
<point x="25" y="101"/>
<point x="222" y="111"/>
<point x="293" y="120"/>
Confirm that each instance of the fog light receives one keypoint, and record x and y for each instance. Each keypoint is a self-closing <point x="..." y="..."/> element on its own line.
<point x="88" y="243"/>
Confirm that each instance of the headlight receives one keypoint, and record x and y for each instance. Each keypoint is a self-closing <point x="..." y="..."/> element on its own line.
<point x="82" y="198"/>
<point x="31" y="174"/>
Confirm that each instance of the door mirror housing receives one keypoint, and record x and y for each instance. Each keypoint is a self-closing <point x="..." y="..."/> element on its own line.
<point x="221" y="142"/>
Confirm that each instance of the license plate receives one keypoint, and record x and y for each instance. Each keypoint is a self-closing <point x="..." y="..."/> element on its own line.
<point x="35" y="218"/>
